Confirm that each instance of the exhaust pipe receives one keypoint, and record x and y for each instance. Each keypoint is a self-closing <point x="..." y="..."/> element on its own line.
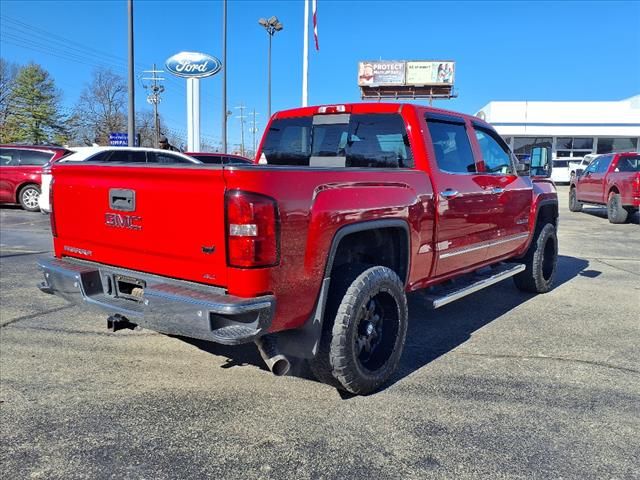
<point x="277" y="362"/>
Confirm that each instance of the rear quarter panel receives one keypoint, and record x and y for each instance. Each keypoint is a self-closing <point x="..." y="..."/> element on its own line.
<point x="313" y="205"/>
<point x="624" y="183"/>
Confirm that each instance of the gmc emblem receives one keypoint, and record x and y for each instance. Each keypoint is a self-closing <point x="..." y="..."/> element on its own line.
<point x="118" y="220"/>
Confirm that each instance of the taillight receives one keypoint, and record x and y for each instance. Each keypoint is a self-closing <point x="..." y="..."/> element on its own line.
<point x="252" y="230"/>
<point x="52" y="213"/>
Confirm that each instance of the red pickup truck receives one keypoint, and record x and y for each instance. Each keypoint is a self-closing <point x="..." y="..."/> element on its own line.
<point x="612" y="180"/>
<point x="309" y="252"/>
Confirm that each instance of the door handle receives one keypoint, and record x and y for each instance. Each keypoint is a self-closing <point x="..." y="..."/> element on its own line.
<point x="449" y="194"/>
<point x="497" y="190"/>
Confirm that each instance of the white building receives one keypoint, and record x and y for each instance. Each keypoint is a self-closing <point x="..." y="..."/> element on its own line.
<point x="572" y="129"/>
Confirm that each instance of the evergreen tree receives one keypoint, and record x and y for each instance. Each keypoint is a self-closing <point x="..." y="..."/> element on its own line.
<point x="33" y="116"/>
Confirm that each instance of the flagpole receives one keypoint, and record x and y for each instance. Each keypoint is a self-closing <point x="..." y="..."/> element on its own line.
<point x="305" y="56"/>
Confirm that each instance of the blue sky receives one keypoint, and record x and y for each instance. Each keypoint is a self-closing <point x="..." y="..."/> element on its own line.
<point x="569" y="50"/>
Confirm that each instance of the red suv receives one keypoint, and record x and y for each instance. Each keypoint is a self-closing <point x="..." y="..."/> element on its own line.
<point x="20" y="170"/>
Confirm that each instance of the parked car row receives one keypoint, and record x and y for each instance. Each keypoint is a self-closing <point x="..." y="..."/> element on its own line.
<point x="25" y="170"/>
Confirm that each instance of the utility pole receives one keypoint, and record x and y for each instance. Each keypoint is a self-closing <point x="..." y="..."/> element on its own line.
<point x="131" y="123"/>
<point x="224" y="76"/>
<point x="154" y="99"/>
<point x="241" y="117"/>
<point x="254" y="130"/>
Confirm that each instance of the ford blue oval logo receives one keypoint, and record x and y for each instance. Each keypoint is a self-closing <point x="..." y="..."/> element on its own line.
<point x="193" y="65"/>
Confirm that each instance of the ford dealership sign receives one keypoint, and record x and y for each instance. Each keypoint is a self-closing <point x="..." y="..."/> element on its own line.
<point x="193" y="65"/>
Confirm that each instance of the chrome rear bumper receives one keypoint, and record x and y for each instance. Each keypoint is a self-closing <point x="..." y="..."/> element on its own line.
<point x="163" y="304"/>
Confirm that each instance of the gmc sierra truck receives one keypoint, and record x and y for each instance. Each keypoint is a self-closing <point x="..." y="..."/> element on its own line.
<point x="310" y="251"/>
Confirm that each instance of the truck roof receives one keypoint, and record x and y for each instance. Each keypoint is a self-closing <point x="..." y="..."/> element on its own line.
<point x="368" y="107"/>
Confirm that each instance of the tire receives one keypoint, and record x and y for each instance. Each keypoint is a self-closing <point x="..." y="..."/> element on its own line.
<point x="28" y="197"/>
<point x="364" y="330"/>
<point x="540" y="262"/>
<point x="616" y="213"/>
<point x="574" y="204"/>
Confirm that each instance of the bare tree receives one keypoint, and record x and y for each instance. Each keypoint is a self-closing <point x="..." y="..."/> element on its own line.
<point x="101" y="109"/>
<point x="8" y="73"/>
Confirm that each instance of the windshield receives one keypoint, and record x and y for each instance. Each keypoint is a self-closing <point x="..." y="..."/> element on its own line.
<point x="343" y="140"/>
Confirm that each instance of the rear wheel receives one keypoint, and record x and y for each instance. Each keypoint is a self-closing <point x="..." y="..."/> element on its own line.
<point x="616" y="213"/>
<point x="28" y="197"/>
<point x="364" y="331"/>
<point x="574" y="204"/>
<point x="540" y="262"/>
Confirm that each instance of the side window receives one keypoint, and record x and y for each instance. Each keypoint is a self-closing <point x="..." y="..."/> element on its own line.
<point x="128" y="156"/>
<point x="32" y="157"/>
<point x="452" y="147"/>
<point x="165" y="158"/>
<point x="100" y="157"/>
<point x="603" y="164"/>
<point x="375" y="141"/>
<point x="9" y="157"/>
<point x="495" y="155"/>
<point x="592" y="166"/>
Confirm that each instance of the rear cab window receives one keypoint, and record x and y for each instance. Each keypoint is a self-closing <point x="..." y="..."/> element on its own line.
<point x="628" y="163"/>
<point x="339" y="140"/>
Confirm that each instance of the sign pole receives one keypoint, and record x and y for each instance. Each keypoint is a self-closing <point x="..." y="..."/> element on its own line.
<point x="131" y="122"/>
<point x="224" y="76"/>
<point x="196" y="114"/>
<point x="305" y="56"/>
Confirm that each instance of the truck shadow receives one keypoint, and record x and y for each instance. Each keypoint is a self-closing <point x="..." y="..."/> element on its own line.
<point x="431" y="333"/>
<point x="601" y="212"/>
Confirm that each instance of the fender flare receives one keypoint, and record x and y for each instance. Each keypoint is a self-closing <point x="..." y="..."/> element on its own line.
<point x="303" y="342"/>
<point x="539" y="205"/>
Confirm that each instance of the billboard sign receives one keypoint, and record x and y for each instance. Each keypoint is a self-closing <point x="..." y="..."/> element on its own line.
<point x="430" y="73"/>
<point x="193" y="65"/>
<point x="377" y="73"/>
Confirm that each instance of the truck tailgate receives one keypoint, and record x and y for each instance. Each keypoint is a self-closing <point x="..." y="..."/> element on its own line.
<point x="164" y="220"/>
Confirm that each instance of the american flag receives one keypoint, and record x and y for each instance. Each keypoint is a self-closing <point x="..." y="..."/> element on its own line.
<point x="314" y="5"/>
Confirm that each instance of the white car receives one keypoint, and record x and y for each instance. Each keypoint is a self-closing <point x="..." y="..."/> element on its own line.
<point x="111" y="155"/>
<point x="560" y="172"/>
<point x="581" y="164"/>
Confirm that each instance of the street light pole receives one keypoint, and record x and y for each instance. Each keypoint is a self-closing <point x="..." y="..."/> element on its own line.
<point x="224" y="76"/>
<point x="271" y="25"/>
<point x="269" y="82"/>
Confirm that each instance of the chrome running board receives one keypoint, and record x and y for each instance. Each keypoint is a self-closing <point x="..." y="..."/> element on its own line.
<point x="468" y="285"/>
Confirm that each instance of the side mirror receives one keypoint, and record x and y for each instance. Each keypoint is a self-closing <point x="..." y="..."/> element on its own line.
<point x="579" y="172"/>
<point x="541" y="165"/>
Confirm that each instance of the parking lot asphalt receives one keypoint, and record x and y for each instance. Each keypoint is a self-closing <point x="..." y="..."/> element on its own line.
<point x="501" y="384"/>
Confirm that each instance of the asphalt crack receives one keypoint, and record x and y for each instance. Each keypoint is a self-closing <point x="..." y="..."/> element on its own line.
<point x="617" y="268"/>
<point x="546" y="357"/>
<point x="35" y="315"/>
